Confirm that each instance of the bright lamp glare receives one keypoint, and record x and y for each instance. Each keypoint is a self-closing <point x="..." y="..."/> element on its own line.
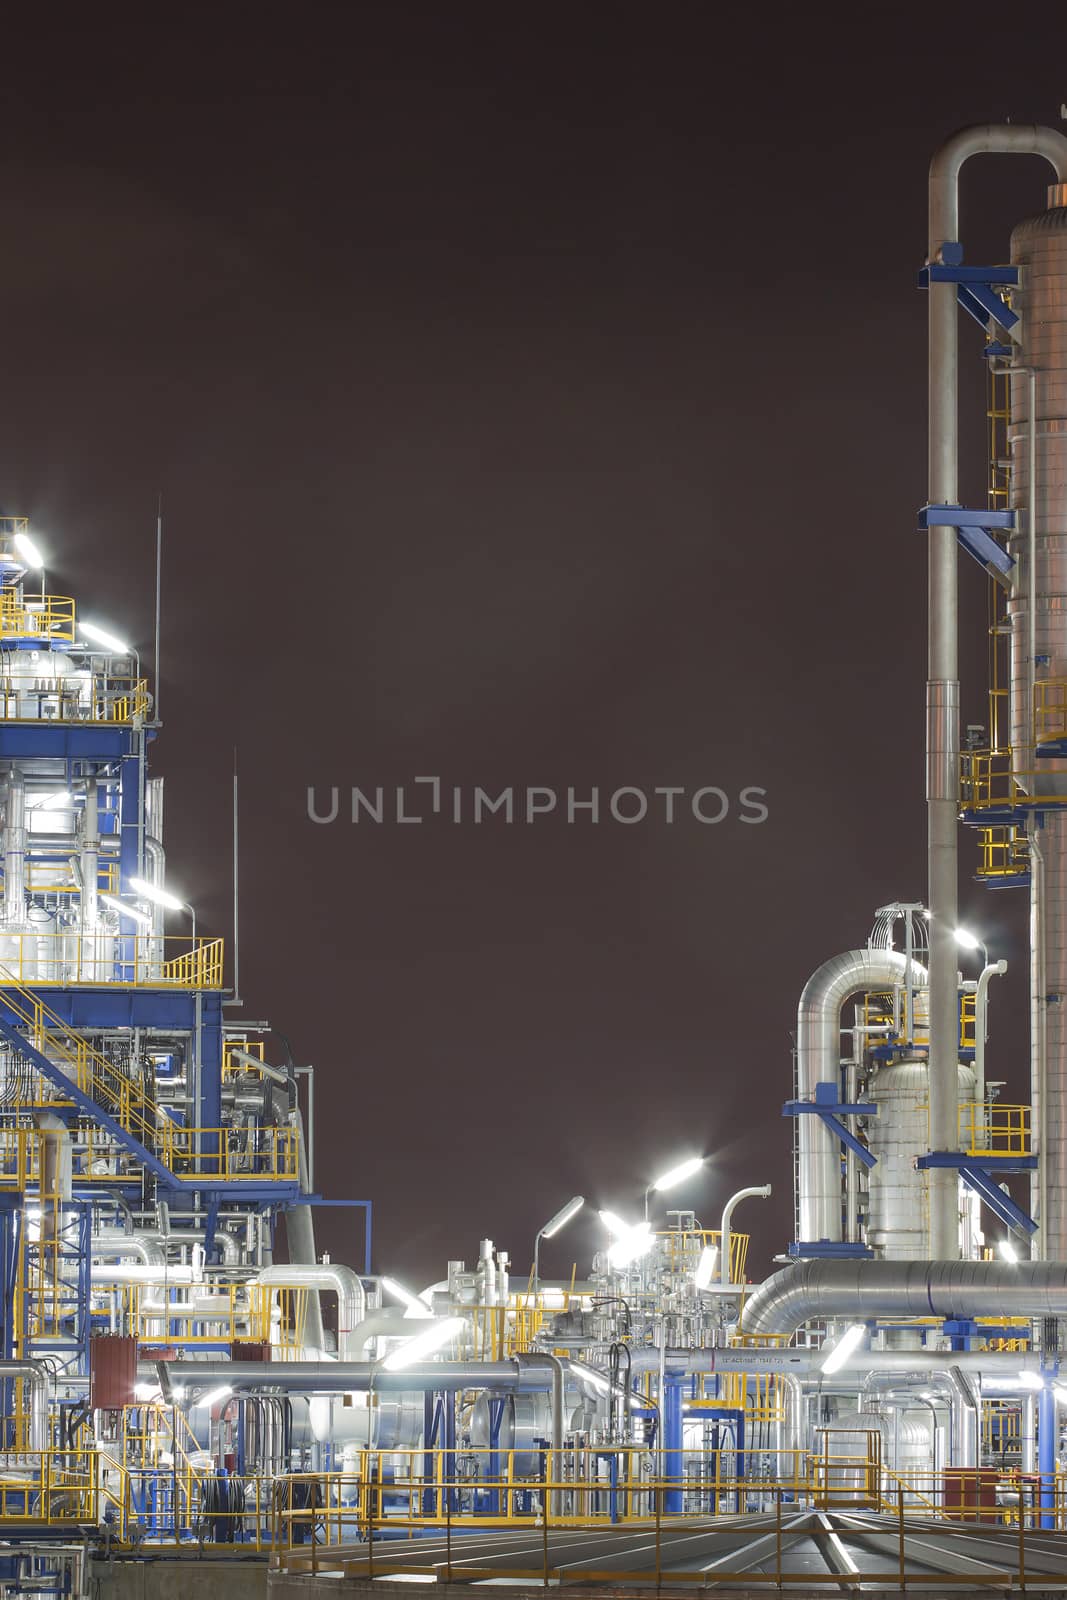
<point x="563" y="1216"/>
<point x="1007" y="1250"/>
<point x="52" y="802"/>
<point x="614" y="1224"/>
<point x="705" y="1267"/>
<point x="966" y="940"/>
<point x="146" y="1391"/>
<point x="29" y="551"/>
<point x="1031" y="1380"/>
<point x="157" y="895"/>
<point x="633" y="1244"/>
<point x="1060" y="1392"/>
<point x="678" y="1174"/>
<point x="406" y="1298"/>
<point x="422" y="1344"/>
<point x="125" y="910"/>
<point x="214" y="1397"/>
<point x="846" y="1346"/>
<point x="101" y="636"/>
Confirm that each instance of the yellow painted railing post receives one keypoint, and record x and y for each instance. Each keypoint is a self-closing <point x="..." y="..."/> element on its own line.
<point x="900" y="1549"/>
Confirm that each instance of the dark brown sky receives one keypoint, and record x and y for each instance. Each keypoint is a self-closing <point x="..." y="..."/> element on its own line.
<point x="538" y="398"/>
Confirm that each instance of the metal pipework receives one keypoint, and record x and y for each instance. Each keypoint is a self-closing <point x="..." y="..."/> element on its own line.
<point x="818" y="1057"/>
<point x="757" y="1192"/>
<point x="1038" y="439"/>
<point x="300" y="1235"/>
<point x="37" y="1375"/>
<point x="533" y="1376"/>
<point x="942" y="689"/>
<point x="15" y="850"/>
<point x="351" y="1300"/>
<point x="865" y="1290"/>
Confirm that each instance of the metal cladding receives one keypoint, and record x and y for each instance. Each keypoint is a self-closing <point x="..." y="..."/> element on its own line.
<point x="867" y="1290"/>
<point x="818" y="1057"/>
<point x="1038" y="613"/>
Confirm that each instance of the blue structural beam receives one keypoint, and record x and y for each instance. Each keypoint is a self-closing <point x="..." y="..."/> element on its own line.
<point x="829" y="1250"/>
<point x="976" y="291"/>
<point x="827" y="1106"/>
<point x="976" y="1173"/>
<point x="974" y="530"/>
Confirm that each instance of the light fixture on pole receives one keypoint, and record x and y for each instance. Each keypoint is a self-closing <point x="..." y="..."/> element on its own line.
<point x="632" y="1245"/>
<point x="844" y="1347"/>
<point x="551" y="1227"/>
<point x="125" y="910"/>
<point x="970" y="941"/>
<point x="673" y="1177"/>
<point x="29" y="552"/>
<point x="410" y="1301"/>
<point x="98" y="635"/>
<point x="422" y="1344"/>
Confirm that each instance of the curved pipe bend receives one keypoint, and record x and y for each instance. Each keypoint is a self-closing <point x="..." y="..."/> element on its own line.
<point x="865" y="1290"/>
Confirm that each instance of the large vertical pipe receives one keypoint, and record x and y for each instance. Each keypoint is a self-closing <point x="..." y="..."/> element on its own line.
<point x="1038" y="612"/>
<point x="942" y="690"/>
<point x="818" y="1061"/>
<point x="15" y="850"/>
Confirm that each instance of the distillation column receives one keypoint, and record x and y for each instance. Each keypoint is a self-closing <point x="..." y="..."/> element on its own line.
<point x="1038" y="611"/>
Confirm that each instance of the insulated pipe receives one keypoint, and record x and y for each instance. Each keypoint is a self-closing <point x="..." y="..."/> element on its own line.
<point x="942" y="688"/>
<point x="534" y="1375"/>
<point x="818" y="1061"/>
<point x="117" y="1243"/>
<point x="351" y="1300"/>
<point x="995" y="969"/>
<point x="36" y="1375"/>
<point x="90" y="885"/>
<point x="525" y="1362"/>
<point x="803" y="1364"/>
<point x="864" y="1290"/>
<point x="966" y="1415"/>
<point x="15" y="850"/>
<point x="390" y="1323"/>
<point x="300" y="1237"/>
<point x="759" y="1192"/>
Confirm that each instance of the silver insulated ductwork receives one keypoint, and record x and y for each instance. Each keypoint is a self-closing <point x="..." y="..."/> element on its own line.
<point x="1038" y="612"/>
<point x="818" y="1061"/>
<point x="862" y="1290"/>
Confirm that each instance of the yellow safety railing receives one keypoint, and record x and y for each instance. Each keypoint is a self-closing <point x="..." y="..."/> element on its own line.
<point x="683" y="1250"/>
<point x="990" y="782"/>
<point x="250" y="1047"/>
<point x="1050" y="709"/>
<point x="1003" y="852"/>
<point x="968" y="1018"/>
<point x="243" y="1311"/>
<point x="83" y="698"/>
<point x="270" y="1154"/>
<point x="994" y="1130"/>
<point x="143" y="961"/>
<point x="35" y="618"/>
<point x="58" y="1488"/>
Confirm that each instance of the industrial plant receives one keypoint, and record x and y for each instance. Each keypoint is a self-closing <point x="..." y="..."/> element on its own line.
<point x="185" y="1378"/>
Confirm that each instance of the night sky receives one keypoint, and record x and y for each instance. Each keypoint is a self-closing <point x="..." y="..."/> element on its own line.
<point x="538" y="398"/>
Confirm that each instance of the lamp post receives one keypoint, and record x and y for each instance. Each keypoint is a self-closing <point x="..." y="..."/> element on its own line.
<point x="760" y="1192"/>
<point x="676" y="1175"/>
<point x="551" y="1227"/>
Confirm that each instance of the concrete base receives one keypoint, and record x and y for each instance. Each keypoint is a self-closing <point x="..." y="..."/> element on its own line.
<point x="179" y="1578"/>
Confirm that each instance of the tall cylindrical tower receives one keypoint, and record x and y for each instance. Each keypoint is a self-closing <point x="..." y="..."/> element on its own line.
<point x="1038" y="612"/>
